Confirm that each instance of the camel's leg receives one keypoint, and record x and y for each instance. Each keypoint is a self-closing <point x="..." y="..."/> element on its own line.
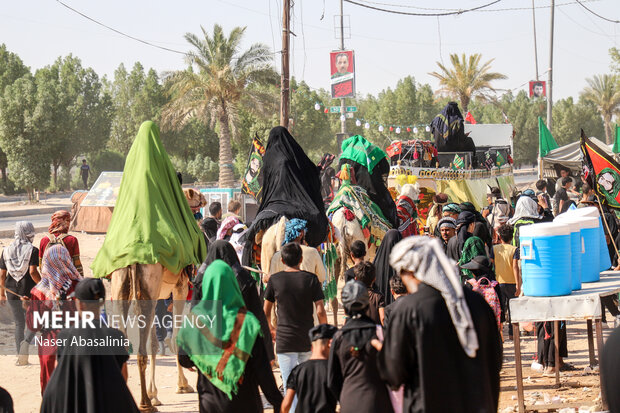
<point x="147" y="283"/>
<point x="152" y="389"/>
<point x="334" y="302"/>
<point x="179" y="296"/>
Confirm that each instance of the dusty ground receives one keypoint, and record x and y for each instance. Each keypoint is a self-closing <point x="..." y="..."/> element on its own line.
<point x="579" y="389"/>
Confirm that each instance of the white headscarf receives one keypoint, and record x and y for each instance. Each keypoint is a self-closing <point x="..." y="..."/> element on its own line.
<point x="526" y="208"/>
<point x="424" y="257"/>
<point x="17" y="254"/>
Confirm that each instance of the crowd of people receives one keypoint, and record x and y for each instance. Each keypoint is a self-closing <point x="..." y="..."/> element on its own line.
<point x="424" y="320"/>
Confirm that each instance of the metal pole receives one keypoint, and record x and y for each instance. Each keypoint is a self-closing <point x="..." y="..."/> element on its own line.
<point x="343" y="108"/>
<point x="284" y="79"/>
<point x="550" y="77"/>
<point x="535" y="42"/>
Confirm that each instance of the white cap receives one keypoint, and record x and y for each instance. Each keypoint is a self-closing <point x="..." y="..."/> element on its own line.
<point x="544" y="229"/>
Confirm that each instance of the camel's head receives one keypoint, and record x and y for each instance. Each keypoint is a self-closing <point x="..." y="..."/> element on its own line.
<point x="195" y="199"/>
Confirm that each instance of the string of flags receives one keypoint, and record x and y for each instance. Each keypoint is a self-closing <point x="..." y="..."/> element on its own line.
<point x="367" y="123"/>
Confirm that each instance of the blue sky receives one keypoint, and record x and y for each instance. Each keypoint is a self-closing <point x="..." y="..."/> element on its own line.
<point x="388" y="47"/>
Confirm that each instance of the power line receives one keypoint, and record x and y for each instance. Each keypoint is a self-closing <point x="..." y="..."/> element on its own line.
<point x="450" y="13"/>
<point x="406" y="6"/>
<point x="596" y="14"/>
<point x="119" y="32"/>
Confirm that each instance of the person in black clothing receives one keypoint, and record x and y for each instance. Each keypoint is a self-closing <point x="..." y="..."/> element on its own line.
<point x="447" y="229"/>
<point x="296" y="292"/>
<point x="223" y="250"/>
<point x="482" y="229"/>
<point x="89" y="378"/>
<point x="382" y="263"/>
<point x="84" y="172"/>
<point x="18" y="273"/>
<point x="237" y="327"/>
<point x="308" y="381"/>
<point x="610" y="371"/>
<point x="464" y="228"/>
<point x="211" y="224"/>
<point x="358" y="252"/>
<point x="6" y="402"/>
<point x="366" y="274"/>
<point x="398" y="291"/>
<point x="442" y="340"/>
<point x="561" y="196"/>
<point x="352" y="373"/>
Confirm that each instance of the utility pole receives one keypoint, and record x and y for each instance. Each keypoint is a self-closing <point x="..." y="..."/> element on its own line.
<point x="284" y="79"/>
<point x="550" y="78"/>
<point x="343" y="108"/>
<point x="535" y="42"/>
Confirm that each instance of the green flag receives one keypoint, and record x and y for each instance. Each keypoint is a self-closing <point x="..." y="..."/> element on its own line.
<point x="499" y="161"/>
<point x="458" y="162"/>
<point x="616" y="148"/>
<point x="546" y="143"/>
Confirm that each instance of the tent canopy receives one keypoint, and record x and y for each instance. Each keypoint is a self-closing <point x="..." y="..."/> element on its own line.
<point x="568" y="156"/>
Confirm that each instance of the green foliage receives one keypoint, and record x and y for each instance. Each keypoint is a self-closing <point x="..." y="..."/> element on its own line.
<point x="11" y="69"/>
<point x="614" y="53"/>
<point x="136" y="97"/>
<point x="215" y="85"/>
<point x="73" y="112"/>
<point x="24" y="136"/>
<point x="103" y="161"/>
<point x="467" y="78"/>
<point x="604" y="92"/>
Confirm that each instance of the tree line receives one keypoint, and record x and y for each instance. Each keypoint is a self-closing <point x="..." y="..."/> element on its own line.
<point x="209" y="112"/>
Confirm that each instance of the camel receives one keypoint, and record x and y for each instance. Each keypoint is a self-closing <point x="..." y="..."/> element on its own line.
<point x="144" y="284"/>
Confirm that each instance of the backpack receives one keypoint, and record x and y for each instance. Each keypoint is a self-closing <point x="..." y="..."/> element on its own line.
<point x="487" y="289"/>
<point x="56" y="240"/>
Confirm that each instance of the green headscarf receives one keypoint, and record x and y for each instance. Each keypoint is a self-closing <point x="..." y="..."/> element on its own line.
<point x="152" y="222"/>
<point x="358" y="149"/>
<point x="221" y="352"/>
<point x="473" y="247"/>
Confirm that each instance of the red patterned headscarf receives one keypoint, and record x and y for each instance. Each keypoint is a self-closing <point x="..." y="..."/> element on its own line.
<point x="60" y="222"/>
<point x="57" y="273"/>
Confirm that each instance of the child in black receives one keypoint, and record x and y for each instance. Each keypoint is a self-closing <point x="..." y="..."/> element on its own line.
<point x="308" y="381"/>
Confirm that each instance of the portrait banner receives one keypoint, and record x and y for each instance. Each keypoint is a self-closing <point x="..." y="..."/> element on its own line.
<point x="342" y="70"/>
<point x="538" y="89"/>
<point x="251" y="183"/>
<point x="604" y="171"/>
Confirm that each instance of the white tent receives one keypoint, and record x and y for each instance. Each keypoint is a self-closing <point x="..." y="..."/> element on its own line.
<point x="568" y="156"/>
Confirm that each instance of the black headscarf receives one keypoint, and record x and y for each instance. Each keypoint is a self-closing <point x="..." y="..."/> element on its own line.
<point x="375" y="187"/>
<point x="447" y="127"/>
<point x="359" y="329"/>
<point x="465" y="218"/>
<point x="385" y="272"/>
<point x="291" y="188"/>
<point x="223" y="250"/>
<point x="483" y="229"/>
<point x="6" y="402"/>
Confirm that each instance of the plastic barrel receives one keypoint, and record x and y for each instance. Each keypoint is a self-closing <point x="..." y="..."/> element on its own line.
<point x="604" y="260"/>
<point x="577" y="248"/>
<point x="545" y="259"/>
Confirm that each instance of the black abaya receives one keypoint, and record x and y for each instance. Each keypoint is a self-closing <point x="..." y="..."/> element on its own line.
<point x="610" y="371"/>
<point x="84" y="382"/>
<point x="223" y="250"/>
<point x="291" y="188"/>
<point x="375" y="187"/>
<point x="382" y="264"/>
<point x="422" y="351"/>
<point x="354" y="379"/>
<point x="247" y="399"/>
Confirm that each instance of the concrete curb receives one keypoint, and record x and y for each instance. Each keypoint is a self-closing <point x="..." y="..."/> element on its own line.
<point x="33" y="211"/>
<point x="8" y="233"/>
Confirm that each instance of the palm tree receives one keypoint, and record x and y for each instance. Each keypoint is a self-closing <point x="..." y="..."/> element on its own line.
<point x="467" y="78"/>
<point x="216" y="82"/>
<point x="604" y="92"/>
